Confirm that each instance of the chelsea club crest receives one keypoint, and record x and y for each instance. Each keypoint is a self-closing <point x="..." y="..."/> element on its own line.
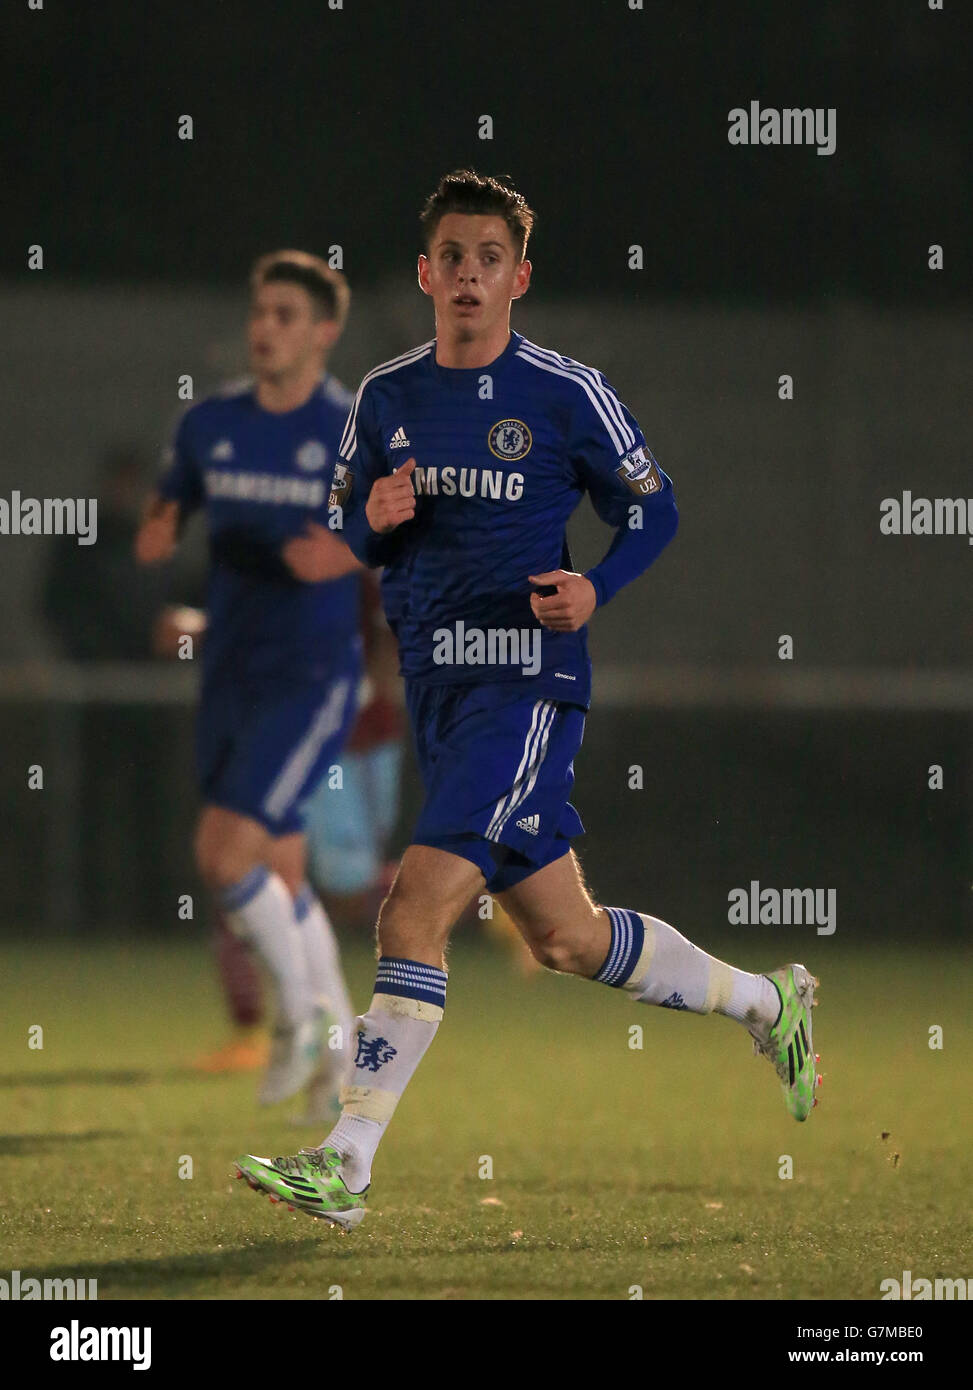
<point x="311" y="456"/>
<point x="510" y="440"/>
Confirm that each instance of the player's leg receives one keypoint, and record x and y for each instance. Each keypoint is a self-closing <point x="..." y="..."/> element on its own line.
<point x="655" y="964"/>
<point x="430" y="892"/>
<point x="255" y="776"/>
<point x="242" y="989"/>
<point x="287" y="746"/>
<point x="553" y="911"/>
<point x="236" y="853"/>
<point x="239" y="976"/>
<point x="217" y="726"/>
<point x="570" y="933"/>
<point x="326" y="980"/>
<point x="474" y="749"/>
<point x="323" y="965"/>
<point x="286" y="856"/>
<point x="233" y="854"/>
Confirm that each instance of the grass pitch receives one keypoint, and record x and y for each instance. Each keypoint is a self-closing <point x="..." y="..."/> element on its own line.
<point x="613" y="1166"/>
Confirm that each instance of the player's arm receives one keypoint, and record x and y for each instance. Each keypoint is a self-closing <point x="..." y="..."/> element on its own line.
<point x="318" y="555"/>
<point x="646" y="521"/>
<point x="158" y="534"/>
<point x="178" y="493"/>
<point x="629" y="491"/>
<point x="381" y="648"/>
<point x="370" y="504"/>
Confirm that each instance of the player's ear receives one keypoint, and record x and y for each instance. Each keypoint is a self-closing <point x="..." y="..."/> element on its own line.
<point x="522" y="279"/>
<point x="423" y="271"/>
<point x="329" y="331"/>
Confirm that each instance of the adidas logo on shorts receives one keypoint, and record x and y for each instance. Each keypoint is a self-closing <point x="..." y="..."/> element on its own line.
<point x="399" y="440"/>
<point x="531" y="824"/>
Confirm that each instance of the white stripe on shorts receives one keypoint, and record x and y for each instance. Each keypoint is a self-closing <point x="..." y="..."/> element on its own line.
<point x="291" y="778"/>
<point x="535" y="748"/>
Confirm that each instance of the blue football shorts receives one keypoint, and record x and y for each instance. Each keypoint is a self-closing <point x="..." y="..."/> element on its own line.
<point x="262" y="752"/>
<point x="497" y="765"/>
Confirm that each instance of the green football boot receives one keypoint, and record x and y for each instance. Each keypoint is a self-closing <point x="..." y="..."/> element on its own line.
<point x="308" y="1181"/>
<point x="788" y="1043"/>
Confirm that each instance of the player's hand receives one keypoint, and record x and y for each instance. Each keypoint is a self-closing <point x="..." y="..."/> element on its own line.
<point x="172" y="625"/>
<point x="318" y="555"/>
<point x="571" y="607"/>
<point x="158" y="535"/>
<point x="392" y="500"/>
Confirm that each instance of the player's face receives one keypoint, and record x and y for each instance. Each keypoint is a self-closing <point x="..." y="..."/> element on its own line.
<point x="472" y="273"/>
<point x="283" y="334"/>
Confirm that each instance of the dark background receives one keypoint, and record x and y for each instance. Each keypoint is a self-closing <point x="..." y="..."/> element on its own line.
<point x="315" y="127"/>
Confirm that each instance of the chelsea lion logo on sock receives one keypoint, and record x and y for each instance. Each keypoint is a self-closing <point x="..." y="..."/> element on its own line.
<point x="373" y="1053"/>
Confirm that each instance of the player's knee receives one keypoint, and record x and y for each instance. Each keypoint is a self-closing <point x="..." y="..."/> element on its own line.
<point x="222" y="862"/>
<point x="560" y="953"/>
<point x="203" y="855"/>
<point x="293" y="878"/>
<point x="287" y="859"/>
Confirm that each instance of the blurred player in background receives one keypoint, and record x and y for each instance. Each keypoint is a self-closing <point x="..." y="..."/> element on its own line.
<point x="461" y="463"/>
<point x="282" y="650"/>
<point x="248" y="1048"/>
<point x="347" y="826"/>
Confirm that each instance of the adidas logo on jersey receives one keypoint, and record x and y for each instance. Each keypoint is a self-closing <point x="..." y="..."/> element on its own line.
<point x="531" y="824"/>
<point x="399" y="440"/>
<point x="222" y="451"/>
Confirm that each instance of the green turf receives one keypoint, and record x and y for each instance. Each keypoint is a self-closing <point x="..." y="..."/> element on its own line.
<point x="612" y="1167"/>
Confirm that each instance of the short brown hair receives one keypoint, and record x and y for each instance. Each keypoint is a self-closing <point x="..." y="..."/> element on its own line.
<point x="328" y="288"/>
<point x="466" y="191"/>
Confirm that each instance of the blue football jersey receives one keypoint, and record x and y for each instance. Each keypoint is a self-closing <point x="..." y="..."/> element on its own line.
<point x="504" y="454"/>
<point x="260" y="476"/>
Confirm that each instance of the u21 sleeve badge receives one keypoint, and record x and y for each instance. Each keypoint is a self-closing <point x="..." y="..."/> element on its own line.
<point x="341" y="485"/>
<point x="639" y="471"/>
